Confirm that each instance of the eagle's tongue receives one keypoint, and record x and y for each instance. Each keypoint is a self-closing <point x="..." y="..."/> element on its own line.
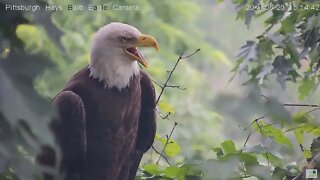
<point x="135" y="52"/>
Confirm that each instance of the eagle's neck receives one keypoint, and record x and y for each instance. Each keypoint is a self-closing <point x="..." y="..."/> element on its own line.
<point x="114" y="71"/>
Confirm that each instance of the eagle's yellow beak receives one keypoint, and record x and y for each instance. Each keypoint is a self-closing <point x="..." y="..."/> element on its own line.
<point x="147" y="41"/>
<point x="143" y="41"/>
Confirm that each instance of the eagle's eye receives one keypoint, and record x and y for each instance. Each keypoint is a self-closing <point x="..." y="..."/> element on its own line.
<point x="124" y="40"/>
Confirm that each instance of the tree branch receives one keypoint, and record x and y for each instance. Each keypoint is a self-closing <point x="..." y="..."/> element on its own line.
<point x="293" y="104"/>
<point x="250" y="133"/>
<point x="310" y="165"/>
<point x="166" y="116"/>
<point x="167" y="142"/>
<point x="161" y="155"/>
<point x="163" y="88"/>
<point x="165" y="85"/>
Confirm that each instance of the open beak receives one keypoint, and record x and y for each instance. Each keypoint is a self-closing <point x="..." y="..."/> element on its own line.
<point x="143" y="41"/>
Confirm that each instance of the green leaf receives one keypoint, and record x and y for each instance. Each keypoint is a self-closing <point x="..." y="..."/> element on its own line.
<point x="265" y="48"/>
<point x="259" y="171"/>
<point x="299" y="135"/>
<point x="257" y="149"/>
<point x="311" y="128"/>
<point x="272" y="159"/>
<point x="153" y="169"/>
<point x="172" y="171"/>
<point x="189" y="170"/>
<point x="248" y="159"/>
<point x="279" y="173"/>
<point x="287" y="25"/>
<point x="166" y="107"/>
<point x="306" y="87"/>
<point x="274" y="133"/>
<point x="301" y="117"/>
<point x="307" y="154"/>
<point x="172" y="148"/>
<point x="229" y="147"/>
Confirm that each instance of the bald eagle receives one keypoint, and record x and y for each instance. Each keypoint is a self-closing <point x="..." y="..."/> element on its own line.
<point x="106" y="112"/>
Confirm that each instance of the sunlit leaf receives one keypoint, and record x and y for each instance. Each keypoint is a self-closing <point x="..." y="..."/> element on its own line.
<point x="172" y="171"/>
<point x="301" y="117"/>
<point x="172" y="148"/>
<point x="299" y="134"/>
<point x="153" y="169"/>
<point x="229" y="147"/>
<point x="274" y="133"/>
<point x="307" y="154"/>
<point x="166" y="107"/>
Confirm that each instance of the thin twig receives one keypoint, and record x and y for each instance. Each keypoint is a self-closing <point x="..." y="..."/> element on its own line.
<point x="242" y="177"/>
<point x="250" y="133"/>
<point x="163" y="156"/>
<point x="186" y="57"/>
<point x="315" y="109"/>
<point x="167" y="142"/>
<point x="267" y="125"/>
<point x="301" y="147"/>
<point x="156" y="83"/>
<point x="246" y="142"/>
<point x="257" y="119"/>
<point x="264" y="96"/>
<point x="301" y="105"/>
<point x="177" y="86"/>
<point x="293" y="104"/>
<point x="165" y="85"/>
<point x="313" y="129"/>
<point x="291" y="129"/>
<point x="166" y="116"/>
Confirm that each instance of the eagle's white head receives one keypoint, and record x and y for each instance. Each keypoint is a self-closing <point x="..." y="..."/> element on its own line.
<point x="114" y="54"/>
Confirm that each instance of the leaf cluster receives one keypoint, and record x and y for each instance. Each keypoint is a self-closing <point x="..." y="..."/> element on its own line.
<point x="288" y="49"/>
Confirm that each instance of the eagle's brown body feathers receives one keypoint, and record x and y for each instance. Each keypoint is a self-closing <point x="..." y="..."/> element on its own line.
<point x="103" y="132"/>
<point x="106" y="113"/>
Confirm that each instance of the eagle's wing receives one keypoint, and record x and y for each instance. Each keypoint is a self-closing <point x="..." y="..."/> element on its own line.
<point x="147" y="122"/>
<point x="70" y="132"/>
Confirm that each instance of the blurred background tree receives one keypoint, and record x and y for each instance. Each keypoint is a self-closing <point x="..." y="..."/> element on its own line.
<point x="41" y="51"/>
